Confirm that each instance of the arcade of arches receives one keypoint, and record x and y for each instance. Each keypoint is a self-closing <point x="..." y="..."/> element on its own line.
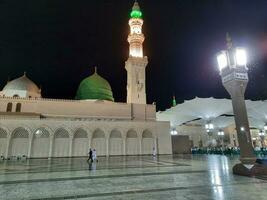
<point x="62" y="142"/>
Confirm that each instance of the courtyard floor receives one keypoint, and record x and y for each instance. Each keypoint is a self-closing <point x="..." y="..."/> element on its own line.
<point x="132" y="177"/>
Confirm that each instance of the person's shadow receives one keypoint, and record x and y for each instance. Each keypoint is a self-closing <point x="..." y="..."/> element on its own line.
<point x="90" y="165"/>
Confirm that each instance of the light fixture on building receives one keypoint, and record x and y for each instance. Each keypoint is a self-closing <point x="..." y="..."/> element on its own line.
<point x="261" y="133"/>
<point x="174" y="132"/>
<point x="209" y="126"/>
<point x="220" y="133"/>
<point x="38" y="132"/>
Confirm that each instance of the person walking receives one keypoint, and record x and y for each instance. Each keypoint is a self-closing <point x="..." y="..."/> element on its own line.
<point x="154" y="153"/>
<point x="90" y="158"/>
<point x="94" y="156"/>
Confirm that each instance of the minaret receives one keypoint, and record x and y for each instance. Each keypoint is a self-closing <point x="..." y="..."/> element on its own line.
<point x="173" y="101"/>
<point x="136" y="63"/>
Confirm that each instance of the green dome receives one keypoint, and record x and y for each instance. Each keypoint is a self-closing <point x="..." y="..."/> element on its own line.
<point x="94" y="87"/>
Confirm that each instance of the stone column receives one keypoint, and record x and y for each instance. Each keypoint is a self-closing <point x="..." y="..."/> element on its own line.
<point x="156" y="144"/>
<point x="107" y="146"/>
<point x="70" y="145"/>
<point x="124" y="145"/>
<point x="140" y="144"/>
<point x="8" y="145"/>
<point x="89" y="142"/>
<point x="30" y="145"/>
<point x="51" y="144"/>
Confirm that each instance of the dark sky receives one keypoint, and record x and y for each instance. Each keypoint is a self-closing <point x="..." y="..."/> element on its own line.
<point x="59" y="42"/>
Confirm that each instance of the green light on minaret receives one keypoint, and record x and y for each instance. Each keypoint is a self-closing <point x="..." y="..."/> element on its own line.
<point x="174" y="101"/>
<point x="136" y="12"/>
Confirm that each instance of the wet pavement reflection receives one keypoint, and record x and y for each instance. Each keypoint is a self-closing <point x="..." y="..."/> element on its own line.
<point x="131" y="177"/>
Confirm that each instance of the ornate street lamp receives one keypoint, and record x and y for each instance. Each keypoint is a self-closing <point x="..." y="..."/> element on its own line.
<point x="233" y="70"/>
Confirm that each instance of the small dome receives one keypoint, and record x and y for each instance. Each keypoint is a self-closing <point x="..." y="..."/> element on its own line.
<point x="94" y="87"/>
<point x="22" y="83"/>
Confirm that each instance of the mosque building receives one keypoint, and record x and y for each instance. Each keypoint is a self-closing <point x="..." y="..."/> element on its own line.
<point x="40" y="127"/>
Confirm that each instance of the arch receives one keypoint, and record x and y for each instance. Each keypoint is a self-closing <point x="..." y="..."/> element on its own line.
<point x="115" y="143"/>
<point x="115" y="134"/>
<point x="98" y="133"/>
<point x="61" y="143"/>
<point x="3" y="141"/>
<point x="147" y="134"/>
<point x="40" y="143"/>
<point x="9" y="107"/>
<point x="147" y="142"/>
<point x="19" y="143"/>
<point x="80" y="143"/>
<point x="131" y="142"/>
<point x="99" y="142"/>
<point x="18" y="107"/>
<point x="131" y="134"/>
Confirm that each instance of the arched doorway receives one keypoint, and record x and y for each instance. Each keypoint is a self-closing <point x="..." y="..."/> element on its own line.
<point x="115" y="143"/>
<point x="3" y="142"/>
<point x="40" y="143"/>
<point x="9" y="107"/>
<point x="99" y="142"/>
<point x="61" y="143"/>
<point x="131" y="143"/>
<point x="80" y="143"/>
<point x="147" y="142"/>
<point x="19" y="143"/>
<point x="18" y="107"/>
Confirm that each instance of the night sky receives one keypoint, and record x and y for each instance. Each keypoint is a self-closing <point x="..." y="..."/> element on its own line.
<point x="58" y="43"/>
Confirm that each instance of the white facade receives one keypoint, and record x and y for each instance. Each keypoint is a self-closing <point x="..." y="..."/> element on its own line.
<point x="64" y="128"/>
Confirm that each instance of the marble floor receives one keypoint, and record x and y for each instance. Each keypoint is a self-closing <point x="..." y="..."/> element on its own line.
<point x="131" y="177"/>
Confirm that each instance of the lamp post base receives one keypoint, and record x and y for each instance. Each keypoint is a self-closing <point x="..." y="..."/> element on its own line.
<point x="252" y="170"/>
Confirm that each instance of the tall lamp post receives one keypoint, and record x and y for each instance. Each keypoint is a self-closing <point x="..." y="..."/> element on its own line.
<point x="234" y="73"/>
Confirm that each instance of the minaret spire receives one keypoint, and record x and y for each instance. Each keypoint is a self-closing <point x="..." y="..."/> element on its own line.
<point x="137" y="62"/>
<point x="229" y="42"/>
<point x="136" y="37"/>
<point x="173" y="101"/>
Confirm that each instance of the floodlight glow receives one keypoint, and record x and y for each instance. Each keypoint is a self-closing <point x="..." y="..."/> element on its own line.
<point x="222" y="60"/>
<point x="211" y="126"/>
<point x="221" y="133"/>
<point x="242" y="128"/>
<point x="261" y="133"/>
<point x="174" y="132"/>
<point x="38" y="132"/>
<point x="241" y="56"/>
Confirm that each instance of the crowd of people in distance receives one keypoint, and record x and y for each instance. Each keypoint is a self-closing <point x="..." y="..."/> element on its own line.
<point x="226" y="151"/>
